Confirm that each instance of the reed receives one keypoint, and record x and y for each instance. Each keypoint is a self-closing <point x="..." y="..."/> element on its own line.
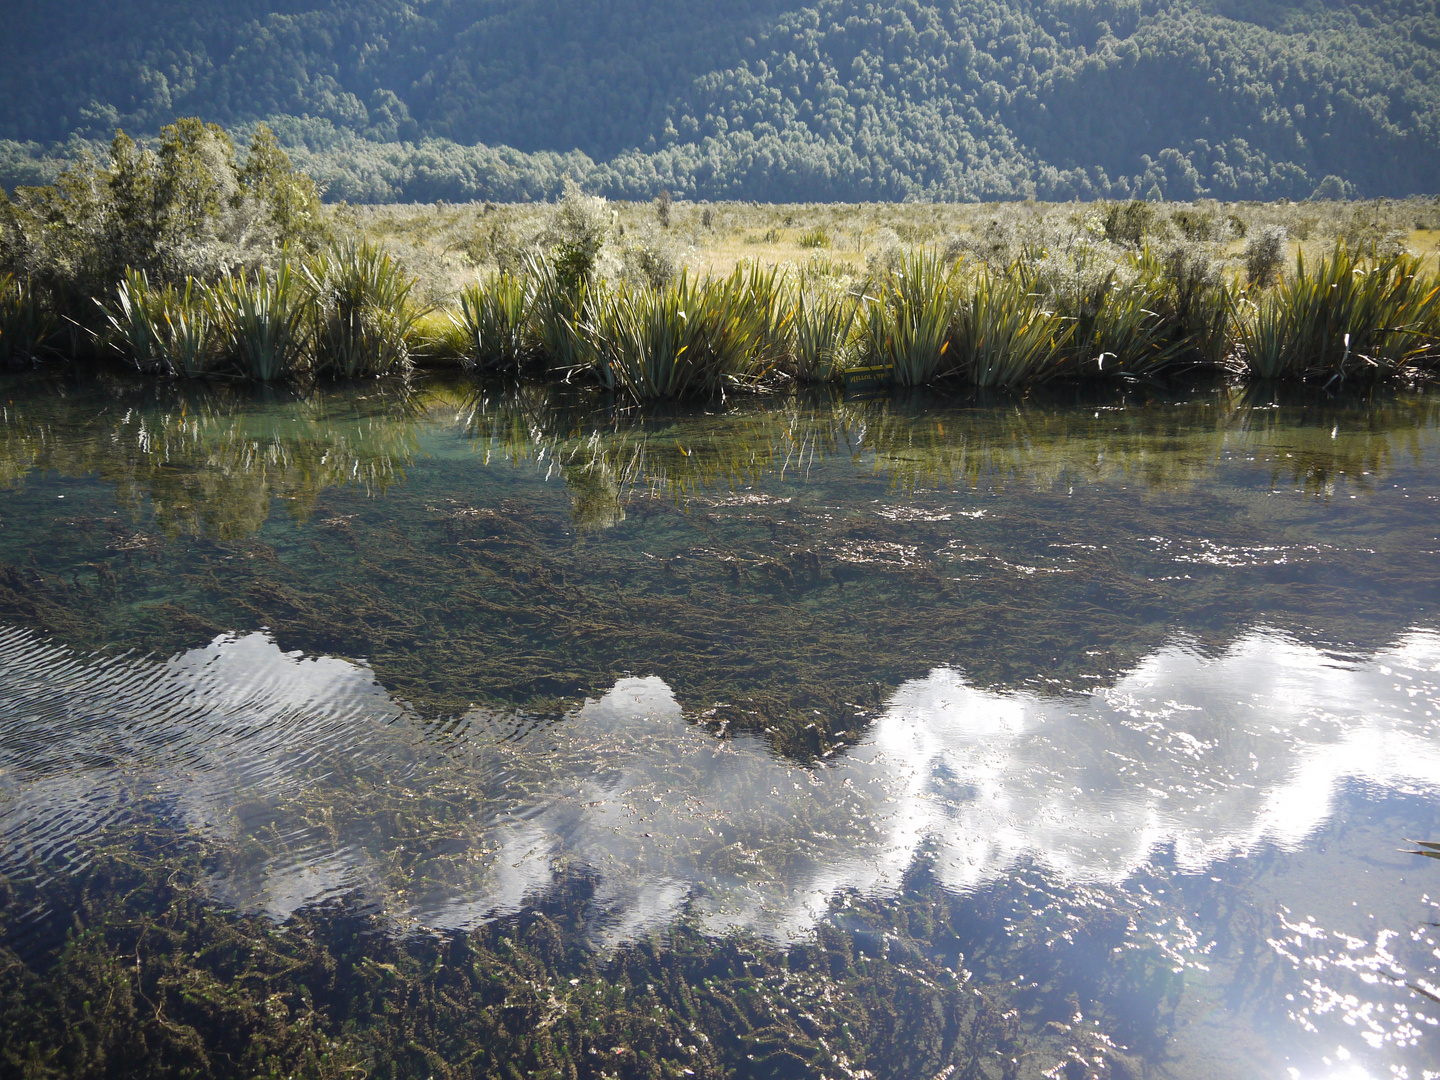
<point x="1005" y="337"/>
<point x="364" y="321"/>
<point x="909" y="325"/>
<point x="25" y="326"/>
<point x="260" y="323"/>
<point x="494" y="318"/>
<point x="1346" y="318"/>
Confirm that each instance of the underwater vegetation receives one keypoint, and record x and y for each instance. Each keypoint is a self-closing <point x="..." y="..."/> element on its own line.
<point x="784" y="560"/>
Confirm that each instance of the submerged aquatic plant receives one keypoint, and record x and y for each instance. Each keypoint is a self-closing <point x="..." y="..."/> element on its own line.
<point x="259" y="322"/>
<point x="364" y="321"/>
<point x="495" y="321"/>
<point x="1345" y="318"/>
<point x="910" y="324"/>
<point x="25" y="326"/>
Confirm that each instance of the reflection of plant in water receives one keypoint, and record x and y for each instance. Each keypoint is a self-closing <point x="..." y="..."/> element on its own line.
<point x="1070" y="438"/>
<point x="208" y="463"/>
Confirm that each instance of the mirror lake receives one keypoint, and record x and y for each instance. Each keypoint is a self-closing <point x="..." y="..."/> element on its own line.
<point x="1113" y="713"/>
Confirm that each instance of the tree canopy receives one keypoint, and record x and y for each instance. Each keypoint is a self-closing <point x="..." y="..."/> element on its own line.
<point x="843" y="99"/>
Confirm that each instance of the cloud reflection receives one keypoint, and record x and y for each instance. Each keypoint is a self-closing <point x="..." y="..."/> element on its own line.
<point x="1208" y="755"/>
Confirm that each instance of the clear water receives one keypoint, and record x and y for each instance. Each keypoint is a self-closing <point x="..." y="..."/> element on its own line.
<point x="1168" y="664"/>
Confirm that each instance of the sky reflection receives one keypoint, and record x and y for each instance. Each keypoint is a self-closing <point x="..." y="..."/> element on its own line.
<point x="308" y="782"/>
<point x="1205" y="756"/>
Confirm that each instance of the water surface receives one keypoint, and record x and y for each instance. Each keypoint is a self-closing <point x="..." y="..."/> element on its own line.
<point x="1148" y="685"/>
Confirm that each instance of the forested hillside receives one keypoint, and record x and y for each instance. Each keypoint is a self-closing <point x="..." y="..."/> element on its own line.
<point x="841" y="100"/>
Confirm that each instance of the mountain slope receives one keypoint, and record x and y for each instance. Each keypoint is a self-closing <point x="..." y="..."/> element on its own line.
<point x="757" y="99"/>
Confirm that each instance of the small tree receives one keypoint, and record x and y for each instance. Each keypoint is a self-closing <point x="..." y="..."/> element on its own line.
<point x="1263" y="251"/>
<point x="291" y="196"/>
<point x="577" y="234"/>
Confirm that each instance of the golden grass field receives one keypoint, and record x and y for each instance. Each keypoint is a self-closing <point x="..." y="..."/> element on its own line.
<point x="448" y="245"/>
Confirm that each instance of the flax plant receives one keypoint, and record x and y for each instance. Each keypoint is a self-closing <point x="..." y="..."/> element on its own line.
<point x="1005" y="337"/>
<point x="910" y="324"/>
<point x="824" y="326"/>
<point x="495" y="321"/>
<point x="688" y="339"/>
<point x="762" y="294"/>
<point x="260" y="323"/>
<point x="189" y="330"/>
<point x="1116" y="331"/>
<point x="135" y="321"/>
<point x="1347" y="318"/>
<point x="557" y="314"/>
<point x="364" y="321"/>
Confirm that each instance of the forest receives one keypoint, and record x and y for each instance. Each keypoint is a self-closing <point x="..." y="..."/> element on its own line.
<point x="461" y="100"/>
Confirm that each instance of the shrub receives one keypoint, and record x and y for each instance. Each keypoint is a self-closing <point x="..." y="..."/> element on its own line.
<point x="815" y="238"/>
<point x="1129" y="223"/>
<point x="1264" y="251"/>
<point x="646" y="258"/>
<point x="576" y="234"/>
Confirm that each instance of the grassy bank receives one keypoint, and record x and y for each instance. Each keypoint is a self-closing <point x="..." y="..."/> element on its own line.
<point x="229" y="269"/>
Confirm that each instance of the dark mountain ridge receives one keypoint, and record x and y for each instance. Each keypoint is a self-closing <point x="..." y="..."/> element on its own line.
<point x="843" y="99"/>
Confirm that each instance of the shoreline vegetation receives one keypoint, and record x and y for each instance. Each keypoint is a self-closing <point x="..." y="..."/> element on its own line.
<point x="192" y="261"/>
